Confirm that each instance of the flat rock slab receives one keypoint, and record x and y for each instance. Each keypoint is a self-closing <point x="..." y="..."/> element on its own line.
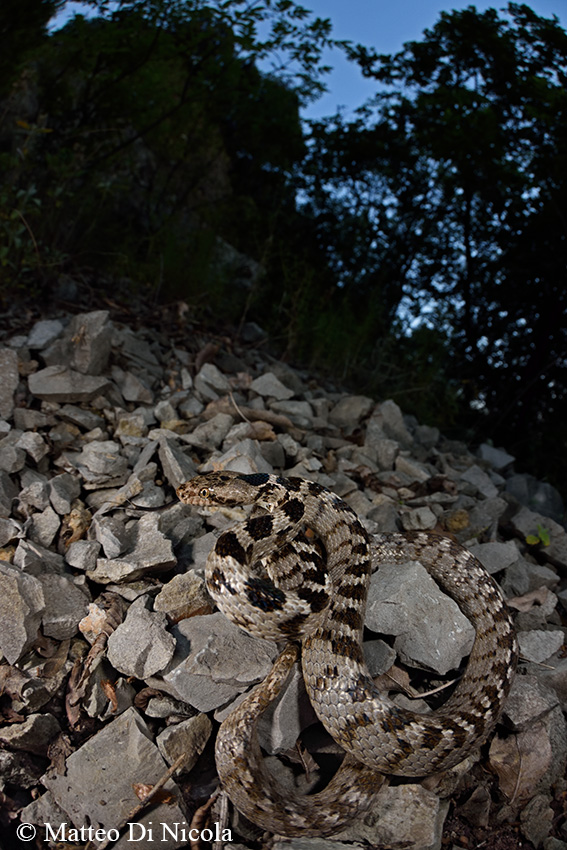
<point x="215" y="661"/>
<point x="97" y="785"/>
<point x="57" y="383"/>
<point x="404" y="600"/>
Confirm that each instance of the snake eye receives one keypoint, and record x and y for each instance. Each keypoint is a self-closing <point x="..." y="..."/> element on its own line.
<point x="204" y="492"/>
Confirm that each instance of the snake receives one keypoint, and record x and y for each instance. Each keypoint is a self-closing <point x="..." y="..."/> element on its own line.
<point x="276" y="582"/>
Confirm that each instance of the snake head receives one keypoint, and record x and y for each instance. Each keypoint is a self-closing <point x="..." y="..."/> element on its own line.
<point x="221" y="488"/>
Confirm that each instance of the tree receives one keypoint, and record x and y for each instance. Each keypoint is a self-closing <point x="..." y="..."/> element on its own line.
<point x="454" y="178"/>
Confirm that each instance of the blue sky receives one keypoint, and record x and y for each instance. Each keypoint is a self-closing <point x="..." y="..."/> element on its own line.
<point x="386" y="25"/>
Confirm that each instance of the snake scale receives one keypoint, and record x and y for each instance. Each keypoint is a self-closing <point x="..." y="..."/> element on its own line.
<point x="270" y="579"/>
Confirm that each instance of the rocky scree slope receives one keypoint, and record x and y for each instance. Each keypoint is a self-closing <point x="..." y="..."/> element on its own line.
<point x="114" y="664"/>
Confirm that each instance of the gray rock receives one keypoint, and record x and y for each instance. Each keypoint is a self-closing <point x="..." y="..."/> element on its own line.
<point x="426" y="435"/>
<point x="131" y="386"/>
<point x="65" y="605"/>
<point x="44" y="527"/>
<point x="268" y="386"/>
<point x="9" y="382"/>
<point x="34" y="559"/>
<point x="215" y="661"/>
<point x="497" y="458"/>
<point x="85" y="419"/>
<point x="22" y="605"/>
<point x="537" y="495"/>
<point x="97" y="787"/>
<point x="475" y="476"/>
<point x="32" y="735"/>
<point x="33" y="444"/>
<point x="176" y="463"/>
<point x="82" y="554"/>
<point x="419" y="519"/>
<point x="210" y="382"/>
<point x="300" y="412"/>
<point x="27" y="419"/>
<point x="528" y="702"/>
<point x="44" y="333"/>
<point x="8" y="492"/>
<point x="402" y="816"/>
<point x="57" y="383"/>
<point x="111" y="533"/>
<point x="185" y="738"/>
<point x="245" y="457"/>
<point x="184" y="596"/>
<point x="210" y="434"/>
<point x="430" y="629"/>
<point x="12" y="458"/>
<point x="141" y="646"/>
<point x="10" y="529"/>
<point x="284" y="720"/>
<point x="151" y="552"/>
<point x="495" y="556"/>
<point x="89" y="339"/>
<point x="539" y="645"/>
<point x="411" y="469"/>
<point x="387" y="421"/>
<point x="350" y="410"/>
<point x="379" y="656"/>
<point x="63" y="490"/>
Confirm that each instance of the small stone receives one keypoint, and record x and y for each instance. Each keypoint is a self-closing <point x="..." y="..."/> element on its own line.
<point x="12" y="458"/>
<point x="387" y="421"/>
<point x="497" y="458"/>
<point x="185" y="595"/>
<point x="32" y="735"/>
<point x="350" y="410"/>
<point x="131" y="386"/>
<point x="475" y="476"/>
<point x="85" y="419"/>
<point x="402" y="596"/>
<point x="82" y="554"/>
<point x="495" y="556"/>
<point x="152" y="552"/>
<point x="539" y="645"/>
<point x="141" y="646"/>
<point x="402" y="816"/>
<point x="65" y="605"/>
<point x="21" y="608"/>
<point x="210" y="434"/>
<point x="27" y="419"/>
<point x="269" y="386"/>
<point x="210" y="382"/>
<point x="57" y="383"/>
<point x="419" y="519"/>
<point x="44" y="333"/>
<point x="188" y="738"/>
<point x="215" y="661"/>
<point x="300" y="412"/>
<point x="44" y="527"/>
<point x="89" y="339"/>
<point x="63" y="490"/>
<point x="176" y="463"/>
<point x="9" y="382"/>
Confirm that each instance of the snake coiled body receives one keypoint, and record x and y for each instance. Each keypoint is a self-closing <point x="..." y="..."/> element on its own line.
<point x="318" y="595"/>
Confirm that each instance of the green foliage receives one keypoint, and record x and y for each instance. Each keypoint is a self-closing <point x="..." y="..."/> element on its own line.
<point x="541" y="538"/>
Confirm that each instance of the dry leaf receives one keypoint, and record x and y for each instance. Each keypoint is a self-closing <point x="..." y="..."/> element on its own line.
<point x="528" y="600"/>
<point x="75" y="524"/>
<point x="142" y="789"/>
<point x="109" y="691"/>
<point x="520" y="761"/>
